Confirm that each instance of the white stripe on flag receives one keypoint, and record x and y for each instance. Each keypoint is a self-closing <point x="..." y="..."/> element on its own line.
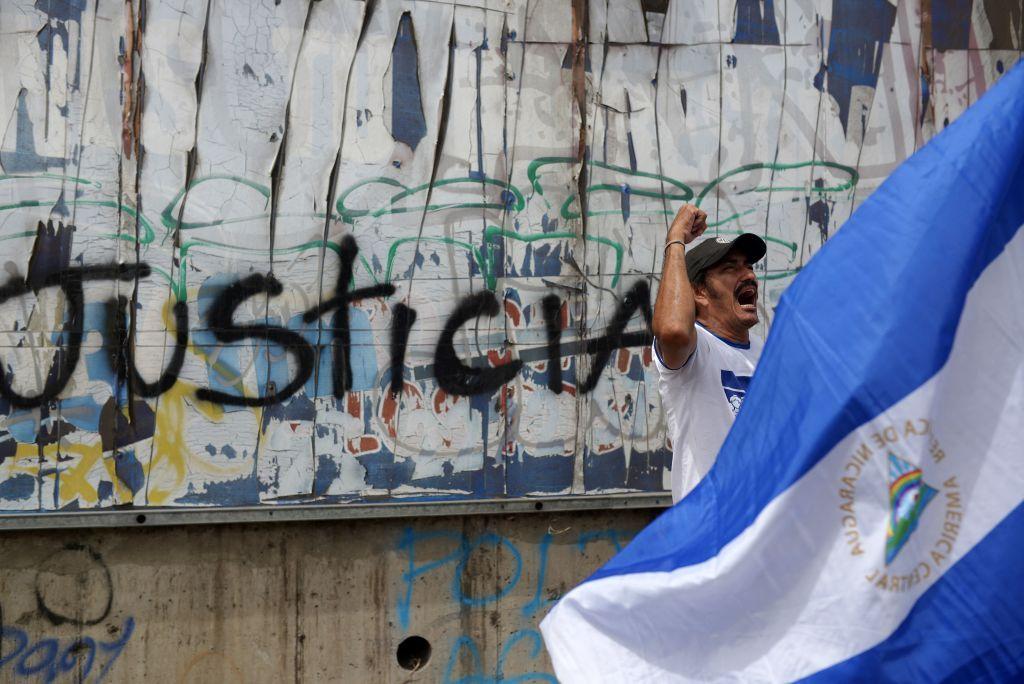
<point x="807" y="586"/>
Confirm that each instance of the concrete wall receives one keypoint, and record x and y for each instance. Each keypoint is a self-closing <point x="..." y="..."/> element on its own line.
<point x="327" y="601"/>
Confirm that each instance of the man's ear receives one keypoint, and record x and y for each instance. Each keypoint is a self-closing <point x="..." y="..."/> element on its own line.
<point x="700" y="293"/>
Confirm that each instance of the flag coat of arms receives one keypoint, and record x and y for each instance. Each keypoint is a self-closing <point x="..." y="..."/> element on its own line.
<point x="863" y="520"/>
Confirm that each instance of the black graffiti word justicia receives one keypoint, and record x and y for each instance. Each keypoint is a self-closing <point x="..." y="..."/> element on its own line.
<point x="453" y="374"/>
<point x="341" y="368"/>
<point x="69" y="280"/>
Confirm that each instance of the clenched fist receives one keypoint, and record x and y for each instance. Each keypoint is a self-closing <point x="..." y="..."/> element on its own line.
<point x="688" y="225"/>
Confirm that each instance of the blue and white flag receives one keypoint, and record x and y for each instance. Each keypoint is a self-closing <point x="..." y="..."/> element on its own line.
<point x="863" y="520"/>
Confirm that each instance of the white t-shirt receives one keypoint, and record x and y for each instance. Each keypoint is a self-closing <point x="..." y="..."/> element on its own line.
<point x="701" y="399"/>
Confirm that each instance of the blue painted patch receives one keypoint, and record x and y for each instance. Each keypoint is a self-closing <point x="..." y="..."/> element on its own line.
<point x="926" y="98"/>
<point x="527" y="474"/>
<point x="241" y="492"/>
<point x="23" y="424"/>
<point x="383" y="471"/>
<point x="97" y="363"/>
<point x="636" y="370"/>
<point x="320" y="382"/>
<point x="362" y="355"/>
<point x="417" y="262"/>
<point x="860" y="29"/>
<point x="129" y="470"/>
<point x="951" y="24"/>
<point x="447" y="480"/>
<point x="327" y="472"/>
<point x="51" y="252"/>
<point x="819" y="77"/>
<point x="407" y="121"/>
<point x="495" y="249"/>
<point x="83" y="412"/>
<point x="271" y="363"/>
<point x="18" y="487"/>
<point x="646" y="469"/>
<point x="604" y="470"/>
<point x="59" y="14"/>
<point x="542" y="260"/>
<point x="753" y="26"/>
<point x="819" y="213"/>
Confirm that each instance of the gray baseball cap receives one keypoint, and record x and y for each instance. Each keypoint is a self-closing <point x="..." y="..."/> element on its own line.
<point x="712" y="250"/>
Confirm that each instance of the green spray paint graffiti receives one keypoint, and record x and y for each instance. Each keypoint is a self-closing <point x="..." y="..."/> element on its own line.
<point x="510" y="200"/>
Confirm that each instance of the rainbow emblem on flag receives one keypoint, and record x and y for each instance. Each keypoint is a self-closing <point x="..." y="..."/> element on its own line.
<point x="908" y="495"/>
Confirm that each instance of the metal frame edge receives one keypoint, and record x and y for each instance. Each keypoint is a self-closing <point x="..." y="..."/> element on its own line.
<point x="166" y="516"/>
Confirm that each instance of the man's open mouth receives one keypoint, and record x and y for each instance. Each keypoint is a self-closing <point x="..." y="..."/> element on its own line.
<point x="746" y="295"/>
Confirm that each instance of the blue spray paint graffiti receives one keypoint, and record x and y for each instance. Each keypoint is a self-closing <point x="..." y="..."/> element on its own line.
<point x="49" y="657"/>
<point x="460" y="556"/>
<point x="465" y="643"/>
<point x="464" y="649"/>
<point x="539" y="602"/>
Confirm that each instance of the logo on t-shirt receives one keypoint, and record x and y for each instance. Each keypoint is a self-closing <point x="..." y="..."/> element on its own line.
<point x="735" y="387"/>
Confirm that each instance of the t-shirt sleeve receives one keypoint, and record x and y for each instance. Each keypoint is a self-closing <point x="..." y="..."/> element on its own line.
<point x="667" y="371"/>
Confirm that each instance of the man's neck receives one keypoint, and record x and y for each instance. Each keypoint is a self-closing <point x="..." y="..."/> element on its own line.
<point x="736" y="335"/>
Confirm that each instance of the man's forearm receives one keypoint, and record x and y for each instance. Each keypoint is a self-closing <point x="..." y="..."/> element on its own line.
<point x="674" y="308"/>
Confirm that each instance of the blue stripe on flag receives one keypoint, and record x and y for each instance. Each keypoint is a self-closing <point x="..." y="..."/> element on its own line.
<point x="873" y="315"/>
<point x="932" y="644"/>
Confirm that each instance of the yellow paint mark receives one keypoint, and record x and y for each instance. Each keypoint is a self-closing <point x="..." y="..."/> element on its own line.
<point x="171" y="462"/>
<point x="74" y="476"/>
<point x="167" y="469"/>
<point x="170" y="453"/>
<point x="172" y="459"/>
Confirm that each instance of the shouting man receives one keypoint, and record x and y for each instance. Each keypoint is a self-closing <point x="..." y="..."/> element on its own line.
<point x="706" y="306"/>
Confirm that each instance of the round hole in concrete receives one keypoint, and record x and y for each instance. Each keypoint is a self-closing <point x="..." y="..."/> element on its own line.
<point x="413" y="653"/>
<point x="141" y="519"/>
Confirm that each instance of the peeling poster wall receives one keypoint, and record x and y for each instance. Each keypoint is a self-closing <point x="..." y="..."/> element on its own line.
<point x="291" y="251"/>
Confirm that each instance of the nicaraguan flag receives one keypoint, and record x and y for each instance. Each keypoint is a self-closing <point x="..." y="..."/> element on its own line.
<point x="863" y="520"/>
